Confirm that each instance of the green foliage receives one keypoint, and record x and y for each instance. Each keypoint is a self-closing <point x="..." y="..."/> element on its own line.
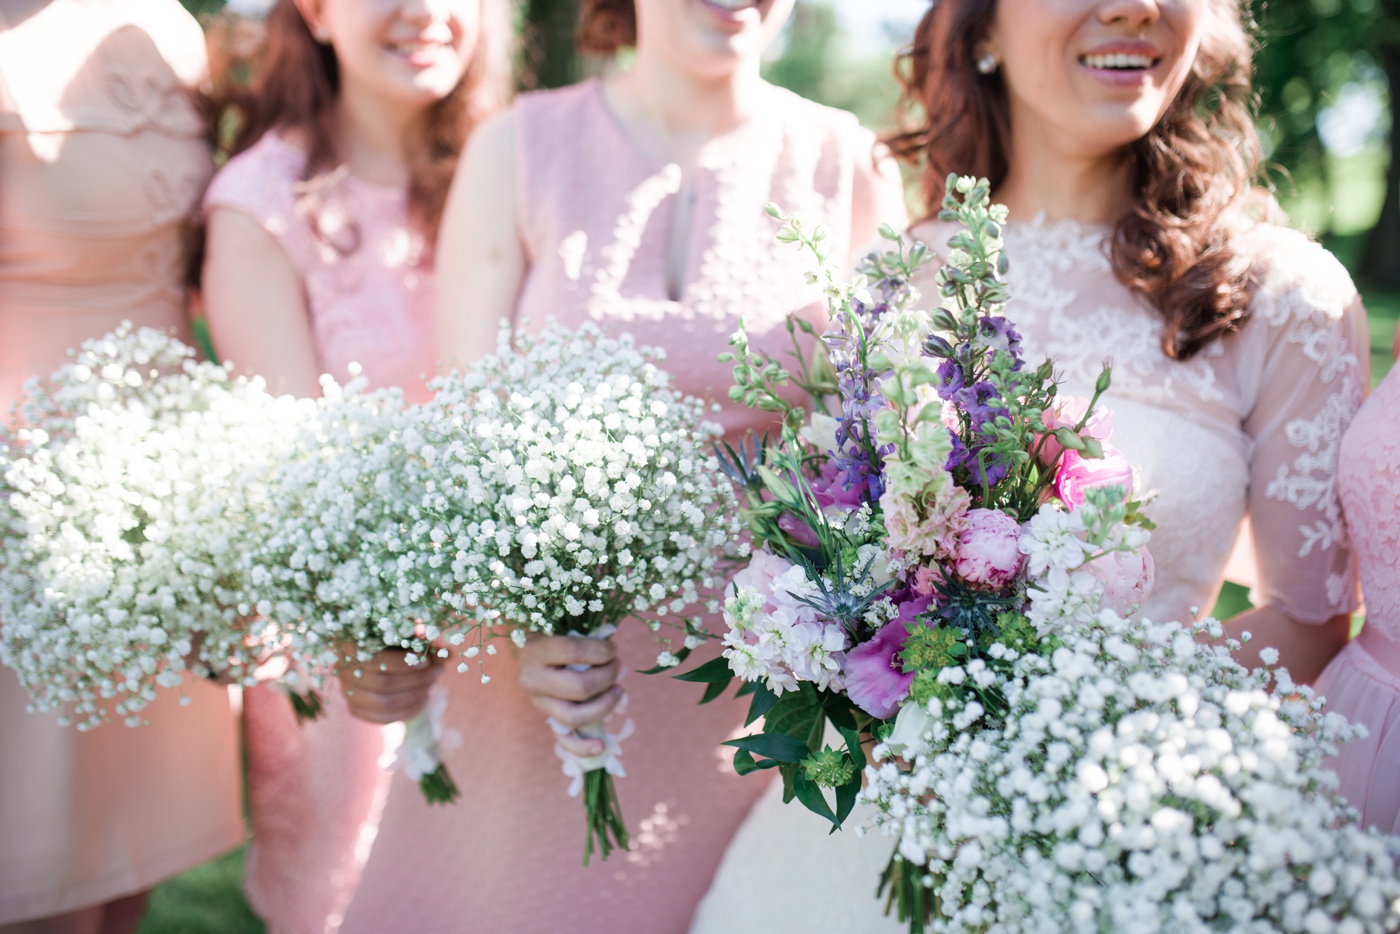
<point x="205" y="900"/>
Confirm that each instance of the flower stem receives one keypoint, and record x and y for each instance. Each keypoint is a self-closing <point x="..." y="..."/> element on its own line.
<point x="438" y="787"/>
<point x="307" y="707"/>
<point x="602" y="814"/>
<point x="913" y="901"/>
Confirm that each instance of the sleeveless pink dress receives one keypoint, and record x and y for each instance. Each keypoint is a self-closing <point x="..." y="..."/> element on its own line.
<point x="316" y="789"/>
<point x="102" y="159"/>
<point x="595" y="215"/>
<point x="1363" y="682"/>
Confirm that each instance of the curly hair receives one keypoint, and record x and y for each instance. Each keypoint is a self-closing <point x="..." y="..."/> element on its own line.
<point x="1191" y="170"/>
<point x="298" y="80"/>
<point x="606" y="26"/>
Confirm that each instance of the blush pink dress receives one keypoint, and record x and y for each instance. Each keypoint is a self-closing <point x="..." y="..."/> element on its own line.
<point x="102" y="159"/>
<point x="1363" y="682"/>
<point x="596" y="214"/>
<point x="316" y="789"/>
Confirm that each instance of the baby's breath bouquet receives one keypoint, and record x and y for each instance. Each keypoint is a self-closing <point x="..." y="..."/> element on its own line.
<point x="947" y="550"/>
<point x="126" y="508"/>
<point x="341" y="565"/>
<point x="575" y="488"/>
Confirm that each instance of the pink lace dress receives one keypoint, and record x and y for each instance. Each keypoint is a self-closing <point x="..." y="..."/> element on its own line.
<point x="315" y="790"/>
<point x="1250" y="426"/>
<point x="1363" y="682"/>
<point x="102" y="159"/>
<point x="595" y="219"/>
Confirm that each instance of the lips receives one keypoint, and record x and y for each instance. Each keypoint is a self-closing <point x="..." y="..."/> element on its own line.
<point x="731" y="6"/>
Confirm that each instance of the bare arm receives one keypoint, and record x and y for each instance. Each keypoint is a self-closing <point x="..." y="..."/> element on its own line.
<point x="1303" y="648"/>
<point x="480" y="260"/>
<point x="255" y="305"/>
<point x="877" y="197"/>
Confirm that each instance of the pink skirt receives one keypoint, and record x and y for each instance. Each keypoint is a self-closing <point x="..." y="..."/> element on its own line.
<point x="1363" y="684"/>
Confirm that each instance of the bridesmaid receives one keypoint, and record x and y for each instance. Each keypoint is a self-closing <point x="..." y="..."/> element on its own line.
<point x="1363" y="682"/>
<point x="320" y="251"/>
<point x="102" y="160"/>
<point x="636" y="202"/>
<point x="1238" y="345"/>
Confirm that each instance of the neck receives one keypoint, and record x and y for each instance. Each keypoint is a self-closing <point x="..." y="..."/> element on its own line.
<point x="1044" y="178"/>
<point x="679" y="106"/>
<point x="374" y="136"/>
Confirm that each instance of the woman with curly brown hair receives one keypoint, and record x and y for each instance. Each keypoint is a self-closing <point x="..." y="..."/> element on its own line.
<point x="1118" y="133"/>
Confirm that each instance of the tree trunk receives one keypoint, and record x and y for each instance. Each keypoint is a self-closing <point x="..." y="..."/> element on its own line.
<point x="549" y="57"/>
<point x="1380" y="265"/>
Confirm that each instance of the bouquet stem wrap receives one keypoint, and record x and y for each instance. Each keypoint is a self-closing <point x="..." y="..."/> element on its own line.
<point x="593" y="775"/>
<point x="420" y="753"/>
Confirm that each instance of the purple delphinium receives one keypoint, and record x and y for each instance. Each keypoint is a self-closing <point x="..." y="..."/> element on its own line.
<point x="998" y="333"/>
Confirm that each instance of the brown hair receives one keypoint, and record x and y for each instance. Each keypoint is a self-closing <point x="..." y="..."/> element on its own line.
<point x="1188" y="173"/>
<point x="297" y="80"/>
<point x="606" y="26"/>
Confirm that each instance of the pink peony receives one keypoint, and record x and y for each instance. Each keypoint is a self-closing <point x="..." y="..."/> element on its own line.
<point x="927" y="577"/>
<point x="1077" y="473"/>
<point x="1126" y="578"/>
<point x="875" y="678"/>
<point x="1066" y="414"/>
<point x="988" y="552"/>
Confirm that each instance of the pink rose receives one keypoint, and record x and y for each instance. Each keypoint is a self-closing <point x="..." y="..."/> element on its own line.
<point x="1126" y="578"/>
<point x="1078" y="473"/>
<point x="1067" y="412"/>
<point x="988" y="552"/>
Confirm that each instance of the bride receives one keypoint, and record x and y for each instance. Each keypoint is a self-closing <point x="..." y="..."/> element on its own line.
<point x="1118" y="134"/>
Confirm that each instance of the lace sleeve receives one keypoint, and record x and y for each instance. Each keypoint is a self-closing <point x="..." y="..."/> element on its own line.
<point x="1312" y="377"/>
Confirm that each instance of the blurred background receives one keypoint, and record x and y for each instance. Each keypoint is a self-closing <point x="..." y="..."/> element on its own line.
<point x="1328" y="77"/>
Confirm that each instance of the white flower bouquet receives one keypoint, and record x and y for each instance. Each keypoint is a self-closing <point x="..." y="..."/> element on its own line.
<point x="339" y="567"/>
<point x="126" y="507"/>
<point x="938" y="546"/>
<point x="574" y="488"/>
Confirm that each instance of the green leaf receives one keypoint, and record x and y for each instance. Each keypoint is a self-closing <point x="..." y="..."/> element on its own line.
<point x="716" y="669"/>
<point x="810" y="794"/>
<point x="713" y="690"/>
<point x="853" y="747"/>
<point x="763" y="701"/>
<point x="744" y="763"/>
<point x="846" y="800"/>
<point x="777" y="746"/>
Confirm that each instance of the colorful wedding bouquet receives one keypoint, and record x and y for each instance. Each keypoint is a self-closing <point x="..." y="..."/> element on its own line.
<point x="945" y="559"/>
<point x="125" y="512"/>
<point x="574" y="487"/>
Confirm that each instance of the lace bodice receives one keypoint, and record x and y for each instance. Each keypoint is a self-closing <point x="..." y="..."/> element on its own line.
<point x="1250" y="426"/>
<point x="366" y="272"/>
<point x="596" y="227"/>
<point x="1369" y="480"/>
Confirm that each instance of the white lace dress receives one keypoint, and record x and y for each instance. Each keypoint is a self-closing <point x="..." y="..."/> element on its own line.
<point x="1249" y="427"/>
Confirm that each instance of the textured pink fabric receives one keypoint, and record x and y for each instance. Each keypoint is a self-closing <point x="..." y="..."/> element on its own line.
<point x="316" y="789"/>
<point x="101" y="163"/>
<point x="366" y="273"/>
<point x="1363" y="682"/>
<point x="507" y="856"/>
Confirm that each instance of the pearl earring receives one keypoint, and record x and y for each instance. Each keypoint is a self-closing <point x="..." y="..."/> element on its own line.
<point x="322" y="34"/>
<point x="987" y="63"/>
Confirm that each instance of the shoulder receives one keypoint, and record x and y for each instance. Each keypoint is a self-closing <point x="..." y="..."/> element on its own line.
<point x="553" y="109"/>
<point x="1298" y="279"/>
<point x="808" y="123"/>
<point x="260" y="181"/>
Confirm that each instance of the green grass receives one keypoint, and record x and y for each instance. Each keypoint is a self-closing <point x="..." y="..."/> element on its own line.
<point x="206" y="900"/>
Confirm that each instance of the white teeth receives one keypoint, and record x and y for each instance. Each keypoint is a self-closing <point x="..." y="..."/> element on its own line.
<point x="1118" y="61"/>
<point x="732" y="5"/>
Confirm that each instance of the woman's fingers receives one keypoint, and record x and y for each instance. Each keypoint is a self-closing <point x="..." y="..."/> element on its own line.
<point x="567" y="650"/>
<point x="386" y="688"/>
<point x="561" y="683"/>
<point x="574" y="715"/>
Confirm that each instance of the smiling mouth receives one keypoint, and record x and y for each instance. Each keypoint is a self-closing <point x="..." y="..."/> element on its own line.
<point x="731" y="6"/>
<point x="1120" y="61"/>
